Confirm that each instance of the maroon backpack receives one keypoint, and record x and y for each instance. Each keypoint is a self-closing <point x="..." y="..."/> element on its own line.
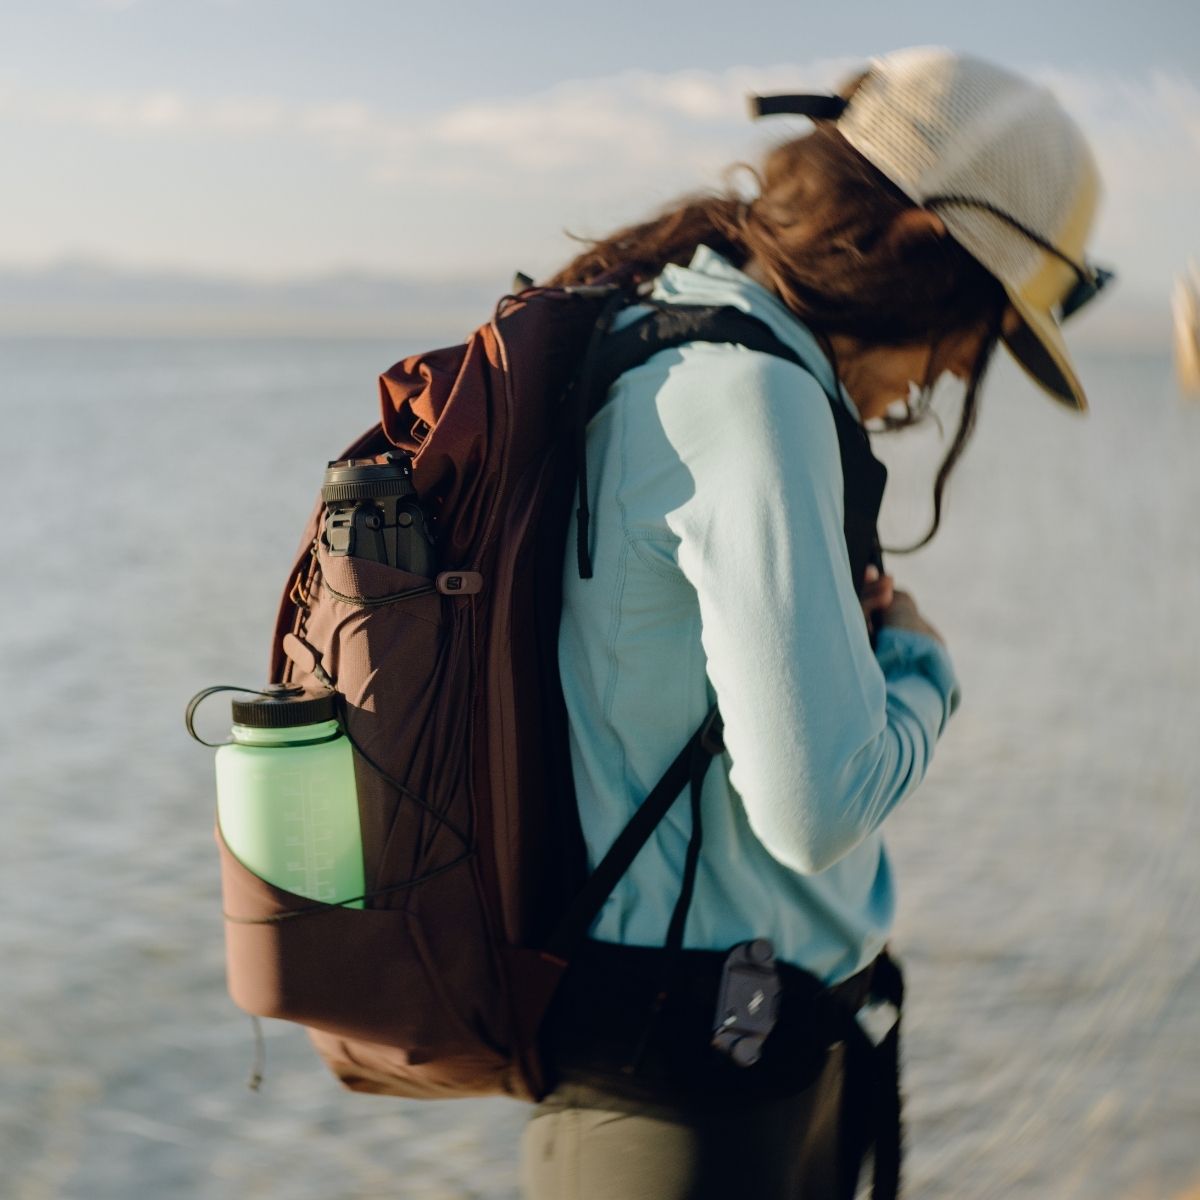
<point x="448" y="689"/>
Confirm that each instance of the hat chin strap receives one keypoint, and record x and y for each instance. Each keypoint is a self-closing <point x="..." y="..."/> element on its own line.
<point x="819" y="108"/>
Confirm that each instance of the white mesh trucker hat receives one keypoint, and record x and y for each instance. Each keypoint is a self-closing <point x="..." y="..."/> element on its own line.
<point x="1005" y="168"/>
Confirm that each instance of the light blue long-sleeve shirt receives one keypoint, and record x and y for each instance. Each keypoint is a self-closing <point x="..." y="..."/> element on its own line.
<point x="721" y="573"/>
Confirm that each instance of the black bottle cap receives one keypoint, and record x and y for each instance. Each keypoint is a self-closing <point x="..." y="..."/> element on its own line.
<point x="365" y="478"/>
<point x="283" y="706"/>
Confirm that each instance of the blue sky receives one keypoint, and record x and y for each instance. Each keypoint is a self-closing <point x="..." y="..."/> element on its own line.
<point x="272" y="138"/>
<point x="408" y="55"/>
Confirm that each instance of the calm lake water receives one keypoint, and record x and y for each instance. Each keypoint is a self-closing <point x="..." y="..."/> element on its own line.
<point x="153" y="495"/>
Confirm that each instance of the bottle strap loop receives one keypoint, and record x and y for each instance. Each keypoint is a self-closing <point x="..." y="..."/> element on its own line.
<point x="194" y="703"/>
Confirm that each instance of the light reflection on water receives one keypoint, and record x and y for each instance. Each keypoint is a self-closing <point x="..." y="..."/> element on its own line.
<point x="153" y="495"/>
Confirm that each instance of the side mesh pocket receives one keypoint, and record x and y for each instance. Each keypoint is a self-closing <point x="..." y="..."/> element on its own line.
<point x="356" y="973"/>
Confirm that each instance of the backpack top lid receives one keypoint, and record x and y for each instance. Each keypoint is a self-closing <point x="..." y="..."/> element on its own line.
<point x="476" y="417"/>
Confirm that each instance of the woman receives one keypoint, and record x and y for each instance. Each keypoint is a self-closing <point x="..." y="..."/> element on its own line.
<point x="939" y="206"/>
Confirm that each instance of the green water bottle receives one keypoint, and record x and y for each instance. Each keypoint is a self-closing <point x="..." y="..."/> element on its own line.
<point x="287" y="805"/>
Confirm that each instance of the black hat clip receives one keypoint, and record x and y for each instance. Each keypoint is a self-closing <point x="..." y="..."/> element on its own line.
<point x="819" y="108"/>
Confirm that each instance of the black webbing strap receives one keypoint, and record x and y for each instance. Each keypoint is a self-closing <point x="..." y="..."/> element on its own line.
<point x="691" y="763"/>
<point x="819" y="108"/>
<point x="697" y="769"/>
<point x="871" y="1112"/>
<point x="698" y="765"/>
<point x="889" y="1116"/>
<point x="584" y="403"/>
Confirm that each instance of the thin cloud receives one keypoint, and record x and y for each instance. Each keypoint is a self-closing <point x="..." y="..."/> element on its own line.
<point x="348" y="118"/>
<point x="161" y="112"/>
<point x="614" y="116"/>
<point x="593" y="151"/>
<point x="573" y="117"/>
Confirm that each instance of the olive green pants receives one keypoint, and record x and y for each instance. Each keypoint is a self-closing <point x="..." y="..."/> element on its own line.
<point x="583" y="1143"/>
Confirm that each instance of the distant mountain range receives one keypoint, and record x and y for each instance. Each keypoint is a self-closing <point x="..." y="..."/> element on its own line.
<point x="82" y="297"/>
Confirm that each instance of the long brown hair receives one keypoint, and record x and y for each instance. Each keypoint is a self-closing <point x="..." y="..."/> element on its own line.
<point x="824" y="230"/>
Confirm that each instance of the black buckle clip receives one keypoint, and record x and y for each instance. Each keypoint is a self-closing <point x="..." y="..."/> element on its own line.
<point x="748" y="1002"/>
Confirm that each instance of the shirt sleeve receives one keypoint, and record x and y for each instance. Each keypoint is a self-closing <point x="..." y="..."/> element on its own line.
<point x="824" y="738"/>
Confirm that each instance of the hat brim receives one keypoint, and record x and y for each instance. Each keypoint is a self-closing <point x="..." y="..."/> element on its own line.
<point x="1037" y="344"/>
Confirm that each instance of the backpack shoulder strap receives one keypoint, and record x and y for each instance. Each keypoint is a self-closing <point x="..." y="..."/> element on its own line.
<point x="611" y="354"/>
<point x="668" y="326"/>
<point x="664" y="328"/>
<point x="690" y="765"/>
